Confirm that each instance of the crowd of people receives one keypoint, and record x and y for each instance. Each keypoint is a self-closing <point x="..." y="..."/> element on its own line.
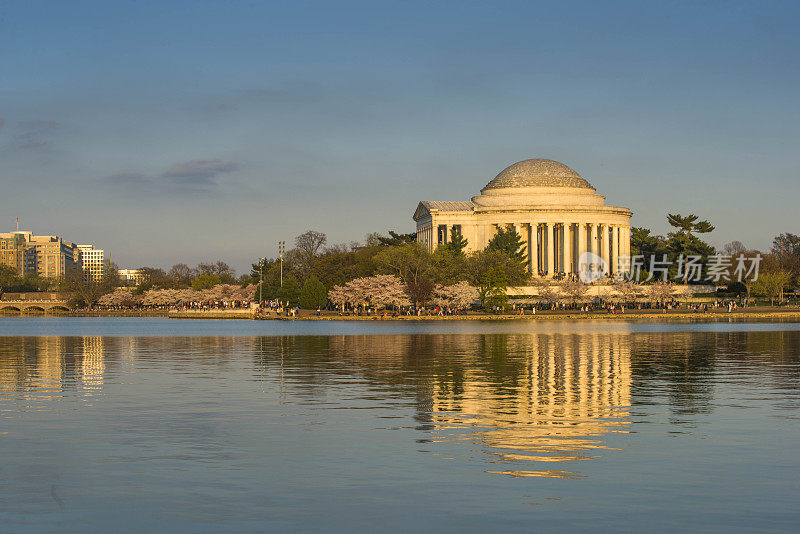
<point x="178" y="306"/>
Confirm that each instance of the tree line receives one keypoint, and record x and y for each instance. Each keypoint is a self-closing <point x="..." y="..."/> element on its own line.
<point x="311" y="268"/>
<point x="779" y="267"/>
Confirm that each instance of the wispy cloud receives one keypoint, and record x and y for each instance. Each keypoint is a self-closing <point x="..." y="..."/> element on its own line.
<point x="132" y="178"/>
<point x="199" y="171"/>
<point x="37" y="125"/>
<point x="196" y="176"/>
<point x="33" y="133"/>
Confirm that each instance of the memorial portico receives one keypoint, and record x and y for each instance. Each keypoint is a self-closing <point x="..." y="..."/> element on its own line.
<point x="558" y="214"/>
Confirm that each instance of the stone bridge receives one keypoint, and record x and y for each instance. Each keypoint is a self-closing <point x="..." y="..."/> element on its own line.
<point x="34" y="305"/>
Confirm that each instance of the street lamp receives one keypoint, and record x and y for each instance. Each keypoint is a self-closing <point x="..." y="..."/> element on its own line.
<point x="261" y="285"/>
<point x="281" y="250"/>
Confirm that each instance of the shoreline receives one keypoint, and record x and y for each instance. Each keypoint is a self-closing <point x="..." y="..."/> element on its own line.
<point x="655" y="316"/>
<point x="792" y="315"/>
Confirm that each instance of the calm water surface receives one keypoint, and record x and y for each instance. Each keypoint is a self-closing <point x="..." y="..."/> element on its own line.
<point x="155" y="425"/>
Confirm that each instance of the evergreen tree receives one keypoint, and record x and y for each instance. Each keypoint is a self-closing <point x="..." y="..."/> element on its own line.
<point x="290" y="291"/>
<point x="313" y="294"/>
<point x="457" y="242"/>
<point x="689" y="224"/>
<point x="507" y="240"/>
<point x="395" y="239"/>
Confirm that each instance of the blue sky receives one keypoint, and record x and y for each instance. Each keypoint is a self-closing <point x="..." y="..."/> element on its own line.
<point x="172" y="132"/>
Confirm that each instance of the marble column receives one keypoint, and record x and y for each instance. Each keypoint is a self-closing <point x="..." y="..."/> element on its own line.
<point x="604" y="243"/>
<point x="581" y="243"/>
<point x="614" y="249"/>
<point x="568" y="243"/>
<point x="626" y="244"/>
<point x="520" y="230"/>
<point x="551" y="248"/>
<point x="533" y="251"/>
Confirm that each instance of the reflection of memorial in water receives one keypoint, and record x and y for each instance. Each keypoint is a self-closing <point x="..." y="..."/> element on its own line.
<point x="572" y="392"/>
<point x="527" y="399"/>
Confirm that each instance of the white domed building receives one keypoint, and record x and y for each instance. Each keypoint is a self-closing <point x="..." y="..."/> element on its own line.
<point x="559" y="215"/>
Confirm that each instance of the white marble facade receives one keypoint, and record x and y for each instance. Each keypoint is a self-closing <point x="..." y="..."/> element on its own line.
<point x="556" y="211"/>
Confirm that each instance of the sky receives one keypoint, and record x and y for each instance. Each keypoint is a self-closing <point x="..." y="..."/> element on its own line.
<point x="168" y="132"/>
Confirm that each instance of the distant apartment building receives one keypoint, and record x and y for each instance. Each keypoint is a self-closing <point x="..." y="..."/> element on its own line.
<point x="13" y="247"/>
<point x="52" y="256"/>
<point x="135" y="276"/>
<point x="91" y="261"/>
<point x="46" y="255"/>
<point x="49" y="256"/>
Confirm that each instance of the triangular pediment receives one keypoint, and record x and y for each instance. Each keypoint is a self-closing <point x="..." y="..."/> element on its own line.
<point x="421" y="212"/>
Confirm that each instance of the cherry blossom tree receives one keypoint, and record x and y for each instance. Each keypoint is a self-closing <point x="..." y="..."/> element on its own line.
<point x="460" y="295"/>
<point x="659" y="291"/>
<point x="338" y="295"/>
<point x="122" y="296"/>
<point x="627" y="289"/>
<point x="573" y="290"/>
<point x="380" y="291"/>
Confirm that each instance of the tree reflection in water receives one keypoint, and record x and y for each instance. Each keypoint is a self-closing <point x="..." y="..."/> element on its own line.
<point x="533" y="405"/>
<point x="522" y="398"/>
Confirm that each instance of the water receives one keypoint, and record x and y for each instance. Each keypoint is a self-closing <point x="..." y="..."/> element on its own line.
<point x="150" y="425"/>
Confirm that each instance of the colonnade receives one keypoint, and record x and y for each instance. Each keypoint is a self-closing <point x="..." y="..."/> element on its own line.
<point x="426" y="237"/>
<point x="556" y="247"/>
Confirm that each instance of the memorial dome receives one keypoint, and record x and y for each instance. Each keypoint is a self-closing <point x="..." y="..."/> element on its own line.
<point x="538" y="172"/>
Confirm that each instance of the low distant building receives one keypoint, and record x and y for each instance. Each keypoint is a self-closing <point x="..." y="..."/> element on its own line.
<point x="13" y="246"/>
<point x="92" y="262"/>
<point x="131" y="275"/>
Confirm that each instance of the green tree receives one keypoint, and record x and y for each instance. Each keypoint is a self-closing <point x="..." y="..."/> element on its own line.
<point x="682" y="242"/>
<point x="396" y="240"/>
<point x="409" y="262"/>
<point x="508" y="241"/>
<point x="289" y="291"/>
<point x="689" y="224"/>
<point x="338" y="265"/>
<point x="686" y="245"/>
<point x="492" y="271"/>
<point x="456" y="244"/>
<point x="495" y="296"/>
<point x="313" y="294"/>
<point x="447" y="267"/>
<point x="645" y="244"/>
<point x="220" y="269"/>
<point x="9" y="278"/>
<point x="205" y="281"/>
<point x="786" y="253"/>
<point x="771" y="285"/>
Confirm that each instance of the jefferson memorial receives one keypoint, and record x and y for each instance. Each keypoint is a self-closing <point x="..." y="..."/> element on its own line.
<point x="559" y="215"/>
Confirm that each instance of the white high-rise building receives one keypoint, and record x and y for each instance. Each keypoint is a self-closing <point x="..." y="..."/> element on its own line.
<point x="91" y="260"/>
